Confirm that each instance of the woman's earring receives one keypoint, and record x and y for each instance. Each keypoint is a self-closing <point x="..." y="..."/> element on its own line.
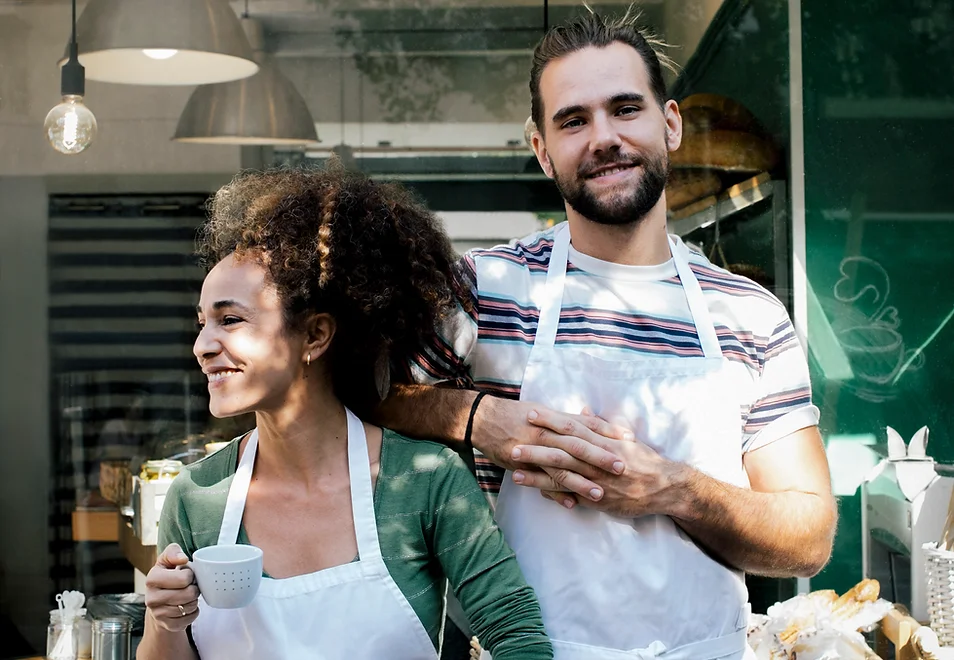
<point x="308" y="360"/>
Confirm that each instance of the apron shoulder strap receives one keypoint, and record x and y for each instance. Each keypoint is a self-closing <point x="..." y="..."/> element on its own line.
<point x="238" y="492"/>
<point x="711" y="347"/>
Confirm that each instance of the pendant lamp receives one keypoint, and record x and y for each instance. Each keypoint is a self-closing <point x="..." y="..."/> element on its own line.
<point x="163" y="42"/>
<point x="70" y="126"/>
<point x="264" y="109"/>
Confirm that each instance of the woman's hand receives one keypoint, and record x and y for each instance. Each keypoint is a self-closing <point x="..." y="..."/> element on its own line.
<point x="172" y="598"/>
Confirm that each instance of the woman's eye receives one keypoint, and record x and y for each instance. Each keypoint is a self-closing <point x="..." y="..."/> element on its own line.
<point x="199" y="325"/>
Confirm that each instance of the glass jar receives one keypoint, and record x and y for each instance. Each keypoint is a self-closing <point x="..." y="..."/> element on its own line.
<point x="160" y="469"/>
<point x="61" y="637"/>
<point x="83" y="634"/>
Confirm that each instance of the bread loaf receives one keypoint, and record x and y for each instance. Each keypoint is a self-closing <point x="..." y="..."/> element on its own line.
<point x="686" y="186"/>
<point x="725" y="150"/>
<point x="866" y="591"/>
<point x="712" y="112"/>
<point x="853" y="601"/>
<point x="842" y="609"/>
<point x="824" y="597"/>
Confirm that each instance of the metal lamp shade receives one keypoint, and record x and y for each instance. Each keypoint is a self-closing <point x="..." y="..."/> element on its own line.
<point x="209" y="43"/>
<point x="265" y="109"/>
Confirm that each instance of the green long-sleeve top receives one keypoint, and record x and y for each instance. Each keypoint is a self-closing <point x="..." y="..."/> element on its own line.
<point x="434" y="527"/>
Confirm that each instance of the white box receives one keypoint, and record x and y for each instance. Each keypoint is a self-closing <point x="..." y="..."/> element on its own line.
<point x="148" y="498"/>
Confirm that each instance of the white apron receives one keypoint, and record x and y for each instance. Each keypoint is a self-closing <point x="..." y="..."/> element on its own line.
<point x="348" y="612"/>
<point x="611" y="587"/>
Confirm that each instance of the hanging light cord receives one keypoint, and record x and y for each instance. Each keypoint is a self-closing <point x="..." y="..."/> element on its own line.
<point x="72" y="77"/>
<point x="546" y="16"/>
<point x="245" y="15"/>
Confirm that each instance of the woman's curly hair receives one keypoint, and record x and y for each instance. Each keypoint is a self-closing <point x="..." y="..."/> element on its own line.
<point x="334" y="241"/>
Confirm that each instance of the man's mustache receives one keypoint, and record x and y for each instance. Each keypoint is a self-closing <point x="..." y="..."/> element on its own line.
<point x="618" y="160"/>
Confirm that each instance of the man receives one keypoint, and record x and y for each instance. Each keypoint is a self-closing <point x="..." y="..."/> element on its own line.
<point x="664" y="404"/>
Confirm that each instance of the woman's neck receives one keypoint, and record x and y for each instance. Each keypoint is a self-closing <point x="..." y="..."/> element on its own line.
<point x="305" y="440"/>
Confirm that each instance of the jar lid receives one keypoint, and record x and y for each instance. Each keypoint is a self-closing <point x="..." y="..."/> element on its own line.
<point x="163" y="464"/>
<point x="113" y="624"/>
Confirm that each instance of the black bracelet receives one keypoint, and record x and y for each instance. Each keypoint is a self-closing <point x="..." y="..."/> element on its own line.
<point x="468" y="453"/>
<point x="470" y="421"/>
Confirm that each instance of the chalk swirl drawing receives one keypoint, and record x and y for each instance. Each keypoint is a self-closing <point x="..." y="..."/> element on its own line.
<point x="867" y="328"/>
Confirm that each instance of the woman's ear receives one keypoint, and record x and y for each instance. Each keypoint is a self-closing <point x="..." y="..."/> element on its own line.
<point x="319" y="331"/>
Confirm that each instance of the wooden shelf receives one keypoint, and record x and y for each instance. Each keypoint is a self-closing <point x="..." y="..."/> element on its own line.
<point x="107" y="526"/>
<point x="100" y="525"/>
<point x="722" y="207"/>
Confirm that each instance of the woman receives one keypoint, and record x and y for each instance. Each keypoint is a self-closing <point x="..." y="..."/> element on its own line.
<point x="320" y="279"/>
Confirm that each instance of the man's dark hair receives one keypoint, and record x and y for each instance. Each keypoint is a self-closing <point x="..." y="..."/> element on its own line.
<point x="593" y="30"/>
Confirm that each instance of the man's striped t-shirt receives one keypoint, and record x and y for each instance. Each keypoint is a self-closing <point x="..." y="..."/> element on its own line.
<point x="618" y="312"/>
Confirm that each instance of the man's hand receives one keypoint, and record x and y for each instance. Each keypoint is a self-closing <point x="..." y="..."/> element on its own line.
<point x="502" y="425"/>
<point x="441" y="414"/>
<point x="782" y="526"/>
<point x="642" y="482"/>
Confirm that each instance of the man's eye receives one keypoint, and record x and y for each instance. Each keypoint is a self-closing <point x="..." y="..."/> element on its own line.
<point x="199" y="325"/>
<point x="231" y="320"/>
<point x="573" y="123"/>
<point x="628" y="110"/>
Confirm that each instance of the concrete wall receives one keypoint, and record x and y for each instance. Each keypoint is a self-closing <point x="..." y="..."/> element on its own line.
<point x="24" y="409"/>
<point x="135" y="122"/>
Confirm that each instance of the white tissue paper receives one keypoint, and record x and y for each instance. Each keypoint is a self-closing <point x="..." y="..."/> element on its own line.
<point x="806" y="627"/>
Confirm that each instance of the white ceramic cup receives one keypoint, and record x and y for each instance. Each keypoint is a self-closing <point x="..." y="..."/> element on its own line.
<point x="228" y="575"/>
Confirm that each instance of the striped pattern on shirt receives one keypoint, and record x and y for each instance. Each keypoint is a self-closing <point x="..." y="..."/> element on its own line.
<point x="618" y="312"/>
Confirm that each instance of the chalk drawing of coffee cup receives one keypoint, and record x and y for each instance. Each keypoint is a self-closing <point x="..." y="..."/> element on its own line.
<point x="877" y="353"/>
<point x="872" y="341"/>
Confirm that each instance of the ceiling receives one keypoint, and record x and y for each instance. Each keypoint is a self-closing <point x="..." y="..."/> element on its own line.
<point x="331" y="28"/>
<point x="446" y="28"/>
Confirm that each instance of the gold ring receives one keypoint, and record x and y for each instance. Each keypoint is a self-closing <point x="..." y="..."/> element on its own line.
<point x="182" y="610"/>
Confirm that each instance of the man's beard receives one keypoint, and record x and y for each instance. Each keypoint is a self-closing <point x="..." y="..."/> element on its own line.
<point x="627" y="207"/>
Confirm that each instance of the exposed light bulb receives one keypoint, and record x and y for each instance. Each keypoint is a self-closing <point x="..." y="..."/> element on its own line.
<point x="70" y="126"/>
<point x="159" y="53"/>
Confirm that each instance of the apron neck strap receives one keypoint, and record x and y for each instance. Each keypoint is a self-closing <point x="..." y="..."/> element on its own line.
<point x="552" y="300"/>
<point x="697" y="302"/>
<point x="238" y="492"/>
<point x="552" y="296"/>
<point x="362" y="493"/>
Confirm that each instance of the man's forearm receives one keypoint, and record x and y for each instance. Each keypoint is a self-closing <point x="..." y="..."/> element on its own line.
<point x="780" y="534"/>
<point x="426" y="412"/>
